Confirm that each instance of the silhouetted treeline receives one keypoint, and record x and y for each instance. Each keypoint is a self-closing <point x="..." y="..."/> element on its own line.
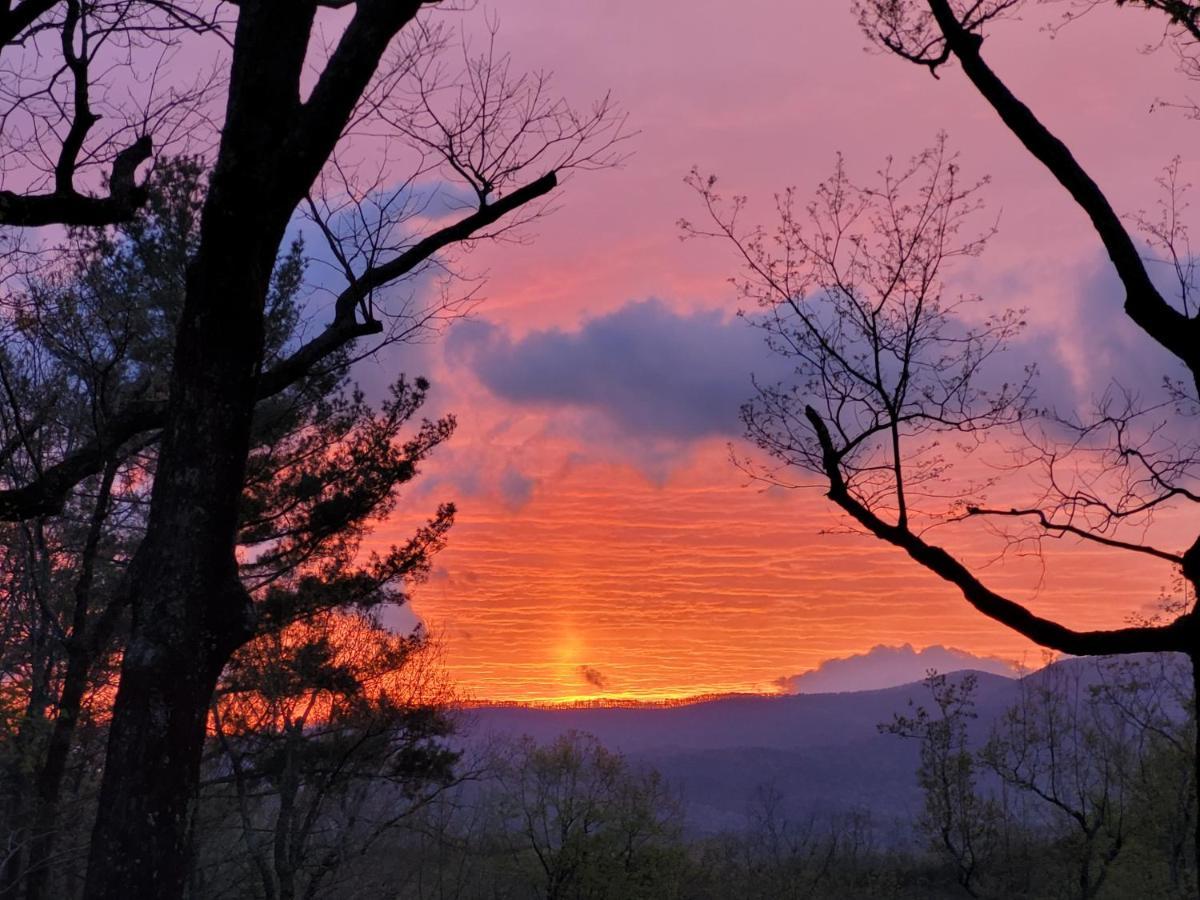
<point x="333" y="770"/>
<point x="1082" y="789"/>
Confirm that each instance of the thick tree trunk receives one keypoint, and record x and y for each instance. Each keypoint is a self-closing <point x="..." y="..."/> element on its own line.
<point x="138" y="847"/>
<point x="189" y="610"/>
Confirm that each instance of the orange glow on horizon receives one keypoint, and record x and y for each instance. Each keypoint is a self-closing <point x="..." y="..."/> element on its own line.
<point x="609" y="586"/>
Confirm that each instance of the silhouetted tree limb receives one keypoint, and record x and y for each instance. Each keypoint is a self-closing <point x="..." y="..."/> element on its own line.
<point x="59" y="114"/>
<point x="1178" y="635"/>
<point x="65" y="206"/>
<point x="1061" y="528"/>
<point x="46" y="494"/>
<point x="1144" y="304"/>
<point x="488" y="214"/>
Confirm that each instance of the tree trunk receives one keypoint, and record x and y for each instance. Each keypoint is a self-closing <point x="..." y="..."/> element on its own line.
<point x="25" y="740"/>
<point x="189" y="610"/>
<point x="82" y="646"/>
<point x="50" y="778"/>
<point x="285" y="863"/>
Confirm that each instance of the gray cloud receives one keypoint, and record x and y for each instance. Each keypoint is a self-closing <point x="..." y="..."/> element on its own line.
<point x="516" y="487"/>
<point x="649" y="371"/>
<point x="401" y="619"/>
<point x="594" y="677"/>
<point x="1102" y="345"/>
<point x="645" y="378"/>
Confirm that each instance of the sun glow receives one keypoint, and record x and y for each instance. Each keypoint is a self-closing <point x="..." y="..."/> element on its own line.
<point x="600" y="589"/>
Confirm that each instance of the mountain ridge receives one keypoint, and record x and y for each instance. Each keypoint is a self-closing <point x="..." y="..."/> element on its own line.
<point x="821" y="753"/>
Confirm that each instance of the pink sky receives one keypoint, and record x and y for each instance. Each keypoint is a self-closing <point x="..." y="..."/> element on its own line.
<point x="598" y="537"/>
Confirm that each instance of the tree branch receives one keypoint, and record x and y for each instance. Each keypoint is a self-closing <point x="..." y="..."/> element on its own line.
<point x="341" y="84"/>
<point x="1178" y="635"/>
<point x="461" y="230"/>
<point x="69" y="207"/>
<point x="1144" y="304"/>
<point x="46" y="494"/>
<point x="15" y="20"/>
<point x="1062" y="528"/>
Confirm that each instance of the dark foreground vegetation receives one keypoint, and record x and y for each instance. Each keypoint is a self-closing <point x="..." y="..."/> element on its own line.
<point x="1082" y="789"/>
<point x="336" y="766"/>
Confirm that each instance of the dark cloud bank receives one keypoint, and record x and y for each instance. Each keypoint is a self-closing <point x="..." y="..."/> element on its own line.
<point x="657" y="374"/>
<point x="648" y="370"/>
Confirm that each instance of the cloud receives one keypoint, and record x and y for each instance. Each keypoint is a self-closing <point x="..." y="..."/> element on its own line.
<point x="594" y="677"/>
<point x="646" y="381"/>
<point x="516" y="487"/>
<point x="1080" y="338"/>
<point x="401" y="619"/>
<point x="646" y="369"/>
<point x="884" y="666"/>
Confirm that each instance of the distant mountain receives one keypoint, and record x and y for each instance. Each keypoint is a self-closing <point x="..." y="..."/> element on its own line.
<point x="780" y="722"/>
<point x="822" y="753"/>
<point x="883" y="666"/>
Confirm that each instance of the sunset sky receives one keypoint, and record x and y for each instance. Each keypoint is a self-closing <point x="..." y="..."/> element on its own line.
<point x="605" y="545"/>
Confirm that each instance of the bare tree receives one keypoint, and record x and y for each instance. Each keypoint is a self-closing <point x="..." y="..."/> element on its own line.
<point x="888" y="371"/>
<point x="582" y="821"/>
<point x="85" y="100"/>
<point x="795" y="859"/>
<point x="1063" y="745"/>
<point x="1151" y="698"/>
<point x="958" y="821"/>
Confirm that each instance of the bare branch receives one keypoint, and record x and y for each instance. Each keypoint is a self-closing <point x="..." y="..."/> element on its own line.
<point x="1066" y="528"/>
<point x="1177" y="635"/>
<point x="67" y="207"/>
<point x="1173" y="330"/>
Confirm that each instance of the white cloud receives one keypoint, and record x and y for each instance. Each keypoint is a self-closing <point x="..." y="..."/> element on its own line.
<point x="883" y="666"/>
